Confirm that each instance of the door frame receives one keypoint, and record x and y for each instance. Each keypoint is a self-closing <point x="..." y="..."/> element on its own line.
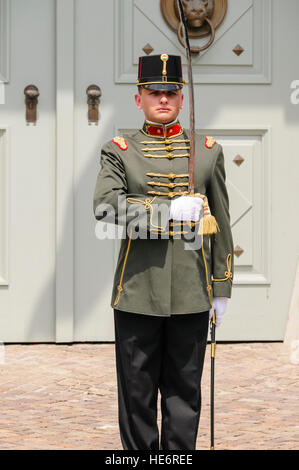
<point x="65" y="45"/>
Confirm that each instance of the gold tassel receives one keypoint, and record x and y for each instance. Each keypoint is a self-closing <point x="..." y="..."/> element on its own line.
<point x="208" y="224"/>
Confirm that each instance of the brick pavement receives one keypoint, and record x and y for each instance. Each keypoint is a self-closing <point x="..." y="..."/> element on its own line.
<point x="64" y="397"/>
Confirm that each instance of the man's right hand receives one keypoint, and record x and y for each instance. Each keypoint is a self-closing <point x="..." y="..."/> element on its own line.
<point x="186" y="208"/>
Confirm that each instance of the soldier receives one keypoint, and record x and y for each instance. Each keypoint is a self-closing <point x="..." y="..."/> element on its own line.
<point x="164" y="288"/>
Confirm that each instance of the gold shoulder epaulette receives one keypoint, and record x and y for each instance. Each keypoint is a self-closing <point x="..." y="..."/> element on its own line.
<point x="120" y="142"/>
<point x="210" y="142"/>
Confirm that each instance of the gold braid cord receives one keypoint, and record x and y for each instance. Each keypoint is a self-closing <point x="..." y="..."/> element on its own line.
<point x="228" y="274"/>
<point x="209" y="287"/>
<point x="148" y="206"/>
<point x="120" y="287"/>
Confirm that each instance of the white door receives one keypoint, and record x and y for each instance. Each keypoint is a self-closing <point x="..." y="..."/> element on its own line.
<point x="56" y="276"/>
<point x="244" y="101"/>
<point x="27" y="173"/>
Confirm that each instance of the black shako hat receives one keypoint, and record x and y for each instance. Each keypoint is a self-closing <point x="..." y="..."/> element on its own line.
<point x="160" y="72"/>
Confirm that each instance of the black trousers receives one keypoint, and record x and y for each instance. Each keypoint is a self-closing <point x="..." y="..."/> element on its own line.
<point x="166" y="354"/>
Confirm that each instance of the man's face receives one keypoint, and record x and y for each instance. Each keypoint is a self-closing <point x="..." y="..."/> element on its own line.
<point x="159" y="106"/>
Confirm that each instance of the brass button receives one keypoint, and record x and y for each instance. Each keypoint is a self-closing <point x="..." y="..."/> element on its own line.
<point x="170" y="155"/>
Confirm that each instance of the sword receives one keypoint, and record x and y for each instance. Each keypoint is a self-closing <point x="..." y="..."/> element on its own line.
<point x="191" y="99"/>
<point x="208" y="224"/>
<point x="212" y="229"/>
<point x="213" y="351"/>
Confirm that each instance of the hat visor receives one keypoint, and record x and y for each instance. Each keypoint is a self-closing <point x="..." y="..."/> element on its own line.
<point x="161" y="86"/>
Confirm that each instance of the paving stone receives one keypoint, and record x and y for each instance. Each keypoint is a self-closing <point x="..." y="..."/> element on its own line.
<point x="65" y="397"/>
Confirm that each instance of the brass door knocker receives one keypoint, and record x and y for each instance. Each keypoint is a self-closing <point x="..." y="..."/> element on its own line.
<point x="197" y="49"/>
<point x="31" y="99"/>
<point x="94" y="94"/>
<point x="203" y="17"/>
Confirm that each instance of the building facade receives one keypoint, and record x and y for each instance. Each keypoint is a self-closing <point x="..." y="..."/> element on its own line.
<point x="55" y="274"/>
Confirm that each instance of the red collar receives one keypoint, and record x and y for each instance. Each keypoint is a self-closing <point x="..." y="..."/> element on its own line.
<point x="161" y="130"/>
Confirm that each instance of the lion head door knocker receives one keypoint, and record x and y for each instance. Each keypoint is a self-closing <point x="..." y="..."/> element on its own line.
<point x="203" y="18"/>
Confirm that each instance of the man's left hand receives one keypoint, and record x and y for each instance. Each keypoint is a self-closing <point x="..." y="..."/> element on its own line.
<point x="219" y="304"/>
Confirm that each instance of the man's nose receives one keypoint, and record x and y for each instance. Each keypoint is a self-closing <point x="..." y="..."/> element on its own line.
<point x="164" y="98"/>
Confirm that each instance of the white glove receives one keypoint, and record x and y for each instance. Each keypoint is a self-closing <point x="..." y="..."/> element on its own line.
<point x="186" y="208"/>
<point x="219" y="304"/>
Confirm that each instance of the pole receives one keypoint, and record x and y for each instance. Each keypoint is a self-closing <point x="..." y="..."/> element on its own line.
<point x="213" y="351"/>
<point x="191" y="100"/>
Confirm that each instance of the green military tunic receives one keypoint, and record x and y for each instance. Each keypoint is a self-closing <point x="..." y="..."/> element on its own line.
<point x="155" y="273"/>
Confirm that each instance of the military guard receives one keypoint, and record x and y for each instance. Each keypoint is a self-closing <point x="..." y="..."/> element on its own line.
<point x="164" y="288"/>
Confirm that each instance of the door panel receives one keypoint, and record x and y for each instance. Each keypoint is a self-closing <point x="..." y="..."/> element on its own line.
<point x="27" y="169"/>
<point x="247" y="23"/>
<point x="94" y="258"/>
